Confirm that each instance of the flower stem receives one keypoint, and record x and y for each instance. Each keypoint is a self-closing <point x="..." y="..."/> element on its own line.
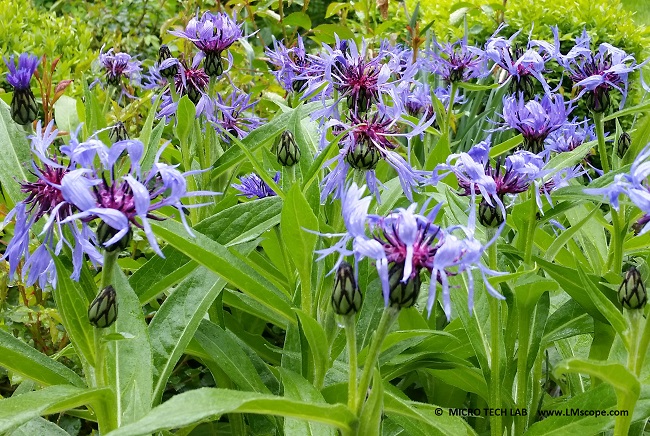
<point x="450" y="109"/>
<point x="602" y="148"/>
<point x="496" y="422"/>
<point x="523" y="317"/>
<point x="387" y="318"/>
<point x="349" y="324"/>
<point x="637" y="338"/>
<point x="106" y="420"/>
<point x="529" y="242"/>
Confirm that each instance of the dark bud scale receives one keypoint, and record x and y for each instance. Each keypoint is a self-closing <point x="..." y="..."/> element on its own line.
<point x="105" y="233"/>
<point x="524" y="85"/>
<point x="402" y="295"/>
<point x="489" y="215"/>
<point x="534" y="145"/>
<point x="163" y="54"/>
<point x="23" y="106"/>
<point x="102" y="312"/>
<point x="363" y="156"/>
<point x="118" y="133"/>
<point x="193" y="93"/>
<point x="288" y="150"/>
<point x="623" y="144"/>
<point x="631" y="293"/>
<point x="213" y="64"/>
<point x="598" y="100"/>
<point x="346" y="297"/>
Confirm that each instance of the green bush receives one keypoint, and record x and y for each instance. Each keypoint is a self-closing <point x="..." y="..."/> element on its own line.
<point x="30" y="29"/>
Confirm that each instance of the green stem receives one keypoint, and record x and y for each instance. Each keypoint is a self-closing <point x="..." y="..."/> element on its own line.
<point x="642" y="348"/>
<point x="496" y="422"/>
<point x="387" y="318"/>
<point x="106" y="421"/>
<point x="602" y="148"/>
<point x="616" y="243"/>
<point x="523" y="320"/>
<point x="349" y="323"/>
<point x="450" y="110"/>
<point x="529" y="242"/>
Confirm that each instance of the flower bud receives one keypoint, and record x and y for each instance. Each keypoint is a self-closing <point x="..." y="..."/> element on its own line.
<point x="489" y="215"/>
<point x="346" y="297"/>
<point x="623" y="144"/>
<point x="118" y="133"/>
<point x="598" y="100"/>
<point x="298" y="84"/>
<point x="524" y="85"/>
<point x="105" y="233"/>
<point x="402" y="295"/>
<point x="102" y="312"/>
<point x="213" y="65"/>
<point x="363" y="156"/>
<point x="23" y="106"/>
<point x="193" y="93"/>
<point x="169" y="72"/>
<point x="288" y="150"/>
<point x="631" y="293"/>
<point x="534" y="145"/>
<point x="640" y="224"/>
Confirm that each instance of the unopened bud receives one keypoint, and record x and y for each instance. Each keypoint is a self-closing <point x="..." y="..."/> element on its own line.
<point x="105" y="233"/>
<point x="402" y="295"/>
<point x="118" y="133"/>
<point x="346" y="297"/>
<point x="489" y="215"/>
<point x="623" y="144"/>
<point x="288" y="150"/>
<point x="193" y="93"/>
<point x="363" y="156"/>
<point x="23" y="106"/>
<point x="598" y="100"/>
<point x="631" y="293"/>
<point x="524" y="85"/>
<point x="168" y="72"/>
<point x="102" y="312"/>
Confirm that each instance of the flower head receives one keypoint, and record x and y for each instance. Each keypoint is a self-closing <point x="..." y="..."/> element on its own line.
<point x="233" y="114"/>
<point x="253" y="186"/>
<point x="404" y="244"/>
<point x="20" y="73"/>
<point x="291" y="64"/>
<point x="118" y="65"/>
<point x="535" y="119"/>
<point x="457" y="63"/>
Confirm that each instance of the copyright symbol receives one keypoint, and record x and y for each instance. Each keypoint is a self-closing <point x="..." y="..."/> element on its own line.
<point x="438" y="411"/>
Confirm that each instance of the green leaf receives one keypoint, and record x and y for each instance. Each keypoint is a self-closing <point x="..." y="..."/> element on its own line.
<point x="318" y="345"/>
<point x="201" y="404"/>
<point x="14" y="156"/>
<point x="18" y="410"/>
<point x="567" y="235"/>
<point x="477" y="87"/>
<point x="297" y="221"/>
<point x="39" y="426"/>
<point x="297" y="19"/>
<point x="297" y="388"/>
<point x="239" y="223"/>
<point x="129" y="365"/>
<point x="569" y="320"/>
<point x="72" y="303"/>
<point x="223" y="350"/>
<point x="28" y="362"/>
<point x="94" y="117"/>
<point x="505" y="146"/>
<point x="426" y="414"/>
<point x="152" y="146"/>
<point x="604" y="305"/>
<point x="185" y="114"/>
<point x="175" y="323"/>
<point x="643" y="107"/>
<point x="65" y="113"/>
<point x="370" y="418"/>
<point x="219" y="260"/>
<point x="326" y="32"/>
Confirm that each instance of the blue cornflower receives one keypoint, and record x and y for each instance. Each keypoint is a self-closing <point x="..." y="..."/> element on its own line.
<point x="253" y="186"/>
<point x="537" y="118"/>
<point x="45" y="199"/>
<point x="457" y="63"/>
<point x="634" y="185"/>
<point x="403" y="244"/>
<point x="570" y="136"/>
<point x="23" y="103"/>
<point x="212" y="34"/>
<point x="367" y="141"/>
<point x="521" y="65"/>
<point x="291" y="63"/>
<point x="596" y="73"/>
<point x="476" y="174"/>
<point x="233" y="114"/>
<point x="118" y="65"/>
<point x="356" y="76"/>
